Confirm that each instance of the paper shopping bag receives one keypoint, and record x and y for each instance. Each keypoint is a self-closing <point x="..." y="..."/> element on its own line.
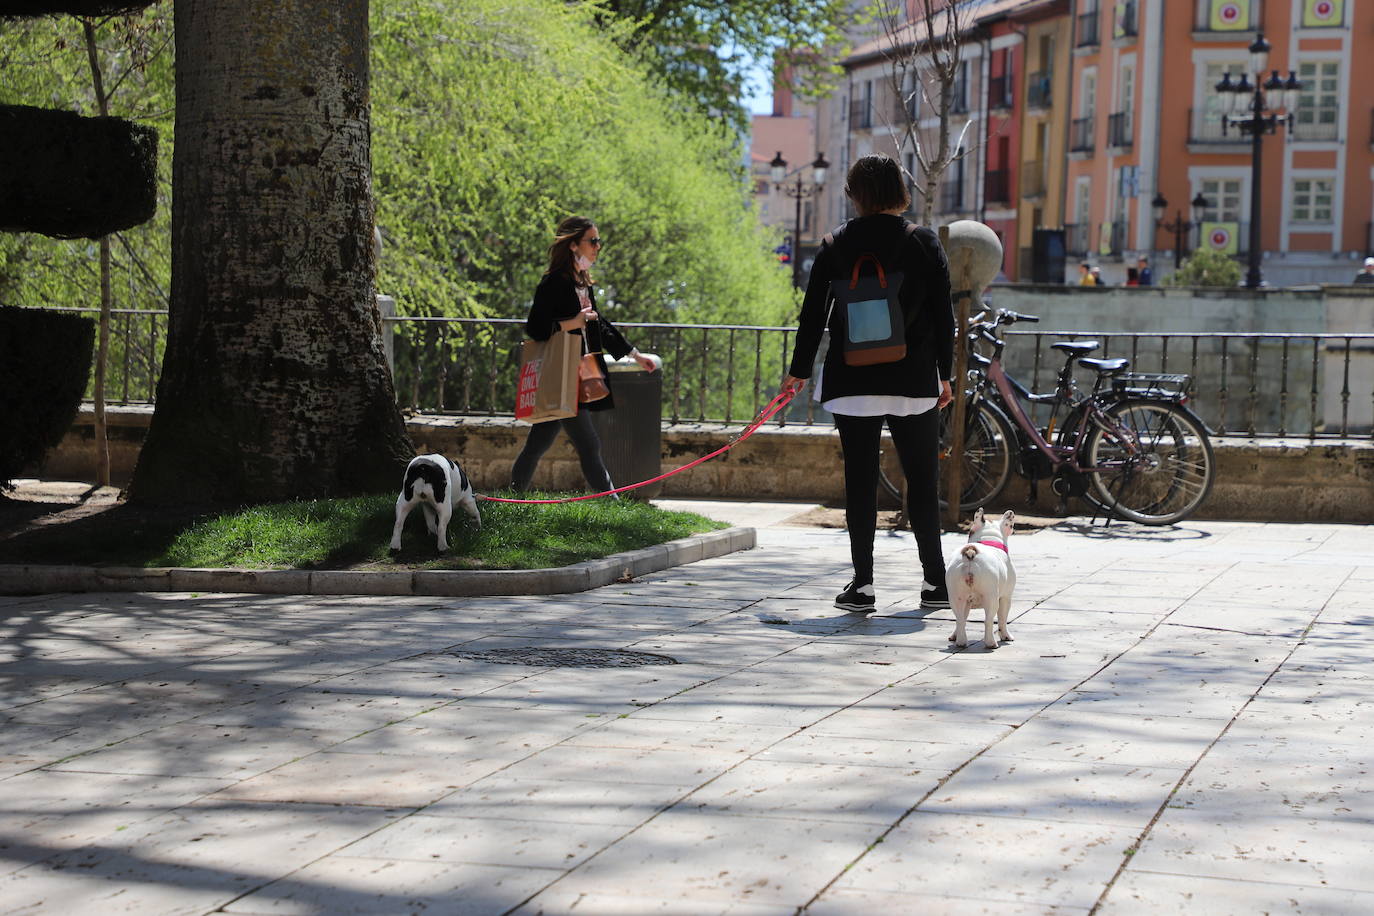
<point x="547" y="389"/>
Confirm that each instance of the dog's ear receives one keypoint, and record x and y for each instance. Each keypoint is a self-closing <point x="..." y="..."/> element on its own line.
<point x="977" y="518"/>
<point x="1008" y="519"/>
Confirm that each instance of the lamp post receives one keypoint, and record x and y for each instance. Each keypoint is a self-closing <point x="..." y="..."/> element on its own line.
<point x="1261" y="118"/>
<point x="798" y="191"/>
<point x="1179" y="226"/>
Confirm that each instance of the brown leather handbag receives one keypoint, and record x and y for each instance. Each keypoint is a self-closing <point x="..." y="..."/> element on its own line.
<point x="591" y="382"/>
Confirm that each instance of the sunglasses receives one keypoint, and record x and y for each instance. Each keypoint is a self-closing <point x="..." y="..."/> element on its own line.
<point x="595" y="241"/>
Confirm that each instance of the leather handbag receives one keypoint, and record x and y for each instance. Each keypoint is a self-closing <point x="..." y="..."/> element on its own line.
<point x="591" y="382"/>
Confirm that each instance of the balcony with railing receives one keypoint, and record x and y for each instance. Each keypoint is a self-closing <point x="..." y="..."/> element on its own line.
<point x="1040" y="89"/>
<point x="1081" y="135"/>
<point x="1033" y="179"/>
<point x="1117" y="237"/>
<point x="1204" y="127"/>
<point x="1001" y="92"/>
<point x="1086" y="30"/>
<point x="951" y="197"/>
<point x="958" y="97"/>
<point x="860" y="113"/>
<point x="1126" y="25"/>
<point x="1077" y="239"/>
<point x="1325" y="127"/>
<point x="997" y="186"/>
<point x="1121" y="130"/>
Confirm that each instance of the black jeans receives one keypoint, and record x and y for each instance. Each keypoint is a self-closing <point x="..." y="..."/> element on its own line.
<point x="584" y="439"/>
<point x="917" y="440"/>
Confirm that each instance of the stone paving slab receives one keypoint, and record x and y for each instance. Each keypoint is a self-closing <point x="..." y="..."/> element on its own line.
<point x="1182" y="724"/>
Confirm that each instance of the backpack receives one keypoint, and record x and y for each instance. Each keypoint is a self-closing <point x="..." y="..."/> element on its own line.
<point x="874" y="329"/>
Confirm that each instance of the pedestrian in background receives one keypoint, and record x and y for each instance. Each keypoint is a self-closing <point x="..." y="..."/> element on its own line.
<point x="906" y="394"/>
<point x="1366" y="275"/>
<point x="1147" y="276"/>
<point x="1085" y="275"/>
<point x="564" y="299"/>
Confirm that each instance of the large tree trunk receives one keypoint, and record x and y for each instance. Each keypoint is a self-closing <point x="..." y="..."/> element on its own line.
<point x="274" y="385"/>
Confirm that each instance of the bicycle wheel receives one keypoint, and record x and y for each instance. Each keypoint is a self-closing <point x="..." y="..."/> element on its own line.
<point x="1153" y="466"/>
<point x="988" y="449"/>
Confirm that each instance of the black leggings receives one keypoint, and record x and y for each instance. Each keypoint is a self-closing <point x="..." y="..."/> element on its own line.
<point x="584" y="439"/>
<point x="917" y="440"/>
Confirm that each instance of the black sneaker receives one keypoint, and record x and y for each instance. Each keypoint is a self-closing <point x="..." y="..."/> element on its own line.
<point x="934" y="597"/>
<point x="856" y="598"/>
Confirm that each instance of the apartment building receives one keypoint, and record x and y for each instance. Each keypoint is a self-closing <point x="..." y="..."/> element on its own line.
<point x="1077" y="116"/>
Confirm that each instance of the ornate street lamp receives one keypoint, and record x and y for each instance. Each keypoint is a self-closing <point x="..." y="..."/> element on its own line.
<point x="798" y="191"/>
<point x="1254" y="109"/>
<point x="1179" y="226"/>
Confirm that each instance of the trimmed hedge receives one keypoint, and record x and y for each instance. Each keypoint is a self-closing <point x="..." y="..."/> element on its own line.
<point x="13" y="9"/>
<point x="45" y="362"/>
<point x="69" y="176"/>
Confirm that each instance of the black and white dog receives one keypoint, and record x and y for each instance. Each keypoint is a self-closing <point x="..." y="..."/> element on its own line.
<point x="436" y="483"/>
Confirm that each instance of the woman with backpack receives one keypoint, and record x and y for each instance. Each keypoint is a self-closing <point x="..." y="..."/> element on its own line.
<point x="881" y="285"/>
<point x="564" y="299"/>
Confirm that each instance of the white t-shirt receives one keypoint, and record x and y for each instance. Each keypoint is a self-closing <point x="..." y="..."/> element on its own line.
<point x="873" y="405"/>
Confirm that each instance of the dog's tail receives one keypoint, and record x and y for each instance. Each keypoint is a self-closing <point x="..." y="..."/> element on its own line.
<point x="970" y="551"/>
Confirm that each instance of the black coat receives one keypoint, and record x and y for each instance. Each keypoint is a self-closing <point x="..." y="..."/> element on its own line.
<point x="555" y="300"/>
<point x="925" y="301"/>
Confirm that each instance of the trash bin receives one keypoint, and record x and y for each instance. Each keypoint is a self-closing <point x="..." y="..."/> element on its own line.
<point x="632" y="433"/>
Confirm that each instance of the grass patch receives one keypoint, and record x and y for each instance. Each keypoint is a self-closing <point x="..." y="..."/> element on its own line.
<point x="342" y="533"/>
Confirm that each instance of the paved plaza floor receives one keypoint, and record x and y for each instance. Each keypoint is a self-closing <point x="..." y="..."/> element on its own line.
<point x="1184" y="723"/>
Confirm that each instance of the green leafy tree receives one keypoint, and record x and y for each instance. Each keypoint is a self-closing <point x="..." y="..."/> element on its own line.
<point x="492" y="125"/>
<point x="701" y="49"/>
<point x="1206" y="267"/>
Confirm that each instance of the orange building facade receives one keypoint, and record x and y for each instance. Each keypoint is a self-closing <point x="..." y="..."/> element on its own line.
<point x="1082" y="114"/>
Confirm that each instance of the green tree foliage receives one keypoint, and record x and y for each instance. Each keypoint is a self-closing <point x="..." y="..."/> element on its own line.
<point x="492" y="121"/>
<point x="702" y="48"/>
<point x="1206" y="267"/>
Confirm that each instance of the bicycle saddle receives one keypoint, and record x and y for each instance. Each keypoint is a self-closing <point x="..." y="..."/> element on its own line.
<point x="1074" y="347"/>
<point x="1105" y="366"/>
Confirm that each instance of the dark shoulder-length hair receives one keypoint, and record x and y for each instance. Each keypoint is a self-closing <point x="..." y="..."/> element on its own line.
<point x="569" y="233"/>
<point x="875" y="184"/>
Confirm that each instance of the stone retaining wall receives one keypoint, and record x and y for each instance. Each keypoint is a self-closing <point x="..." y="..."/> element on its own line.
<point x="1280" y="480"/>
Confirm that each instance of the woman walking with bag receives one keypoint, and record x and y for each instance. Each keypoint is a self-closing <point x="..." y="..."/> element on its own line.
<point x="868" y="379"/>
<point x="564" y="300"/>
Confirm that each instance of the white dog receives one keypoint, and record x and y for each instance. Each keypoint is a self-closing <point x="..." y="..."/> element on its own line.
<point x="436" y="483"/>
<point x="982" y="576"/>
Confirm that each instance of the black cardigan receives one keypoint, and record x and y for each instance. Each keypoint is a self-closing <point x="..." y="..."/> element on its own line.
<point x="925" y="300"/>
<point x="555" y="300"/>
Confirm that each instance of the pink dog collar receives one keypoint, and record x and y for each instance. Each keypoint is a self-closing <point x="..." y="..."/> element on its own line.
<point x="1001" y="547"/>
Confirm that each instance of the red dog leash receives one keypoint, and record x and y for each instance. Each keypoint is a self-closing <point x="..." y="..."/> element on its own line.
<point x="771" y="408"/>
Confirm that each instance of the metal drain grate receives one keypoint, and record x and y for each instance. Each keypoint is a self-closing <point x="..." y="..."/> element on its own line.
<point x="565" y="658"/>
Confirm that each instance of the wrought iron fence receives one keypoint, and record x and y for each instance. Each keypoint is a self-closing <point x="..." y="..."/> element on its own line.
<point x="1081" y="135"/>
<point x="1087" y="30"/>
<point x="1120" y="130"/>
<point x="1244" y="384"/>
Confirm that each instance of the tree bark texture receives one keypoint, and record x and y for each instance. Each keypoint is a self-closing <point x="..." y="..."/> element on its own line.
<point x="274" y="384"/>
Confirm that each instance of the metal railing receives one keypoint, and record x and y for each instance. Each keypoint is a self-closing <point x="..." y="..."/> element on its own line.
<point x="1205" y="127"/>
<point x="1081" y="135"/>
<point x="1121" y="129"/>
<point x="1087" y="29"/>
<point x="952" y="196"/>
<point x="1040" y="89"/>
<point x="1126" y="26"/>
<point x="997" y="186"/>
<point x="1316" y="130"/>
<point x="1077" y="239"/>
<point x="1001" y="92"/>
<point x="1258" y="385"/>
<point x="860" y="113"/>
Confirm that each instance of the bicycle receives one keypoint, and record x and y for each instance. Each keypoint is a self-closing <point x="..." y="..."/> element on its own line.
<point x="1131" y="447"/>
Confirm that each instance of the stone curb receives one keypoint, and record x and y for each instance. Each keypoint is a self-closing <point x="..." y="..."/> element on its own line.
<point x="18" y="579"/>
